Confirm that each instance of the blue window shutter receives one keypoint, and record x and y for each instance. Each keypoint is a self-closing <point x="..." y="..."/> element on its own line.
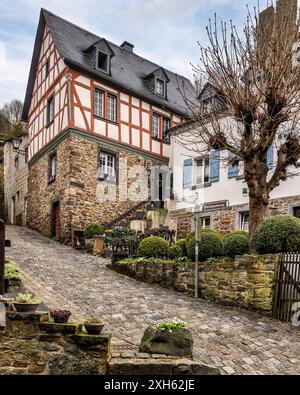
<point x="215" y="166"/>
<point x="187" y="173"/>
<point x="270" y="157"/>
<point x="233" y="171"/>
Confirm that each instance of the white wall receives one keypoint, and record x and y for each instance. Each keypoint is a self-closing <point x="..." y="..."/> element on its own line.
<point x="226" y="188"/>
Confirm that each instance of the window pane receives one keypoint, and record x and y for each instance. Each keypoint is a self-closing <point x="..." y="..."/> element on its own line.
<point x="199" y="171"/>
<point x="50" y="110"/>
<point x="102" y="164"/>
<point x="206" y="222"/>
<point x="206" y="170"/>
<point x="245" y="222"/>
<point x="99" y="103"/>
<point x="112" y="108"/>
<point x="159" y="88"/>
<point x="156" y="126"/>
<point x="166" y="127"/>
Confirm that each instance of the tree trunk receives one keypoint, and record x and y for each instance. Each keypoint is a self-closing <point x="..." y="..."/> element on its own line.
<point x="257" y="213"/>
<point x="256" y="171"/>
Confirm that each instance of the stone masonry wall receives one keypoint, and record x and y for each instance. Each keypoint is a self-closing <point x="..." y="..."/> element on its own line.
<point x="83" y="198"/>
<point x="226" y="220"/>
<point x="247" y="281"/>
<point x="33" y="346"/>
<point x="15" y="183"/>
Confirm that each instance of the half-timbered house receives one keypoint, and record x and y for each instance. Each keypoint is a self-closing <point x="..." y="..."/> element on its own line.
<point x="98" y="117"/>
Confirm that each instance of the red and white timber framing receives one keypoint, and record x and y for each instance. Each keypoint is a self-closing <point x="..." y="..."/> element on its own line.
<point x="74" y="107"/>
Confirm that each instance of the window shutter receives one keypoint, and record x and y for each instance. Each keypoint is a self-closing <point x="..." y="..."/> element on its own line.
<point x="187" y="173"/>
<point x="215" y="166"/>
<point x="270" y="157"/>
<point x="233" y="170"/>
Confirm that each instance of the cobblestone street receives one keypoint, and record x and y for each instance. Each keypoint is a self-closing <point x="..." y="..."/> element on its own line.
<point x="237" y="341"/>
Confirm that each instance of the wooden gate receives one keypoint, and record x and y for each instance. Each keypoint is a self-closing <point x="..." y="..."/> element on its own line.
<point x="287" y="287"/>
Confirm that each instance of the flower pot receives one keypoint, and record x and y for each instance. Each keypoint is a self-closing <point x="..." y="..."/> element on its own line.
<point x="26" y="307"/>
<point x="93" y="329"/>
<point x="64" y="320"/>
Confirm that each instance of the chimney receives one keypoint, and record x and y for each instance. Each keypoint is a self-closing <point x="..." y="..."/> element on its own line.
<point x="128" y="46"/>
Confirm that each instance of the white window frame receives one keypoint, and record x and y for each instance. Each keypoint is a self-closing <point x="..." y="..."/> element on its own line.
<point x="99" y="103"/>
<point x="160" y="87"/>
<point x="203" y="225"/>
<point x="107" y="172"/>
<point x="156" y="126"/>
<point x="112" y="108"/>
<point x="205" y="171"/>
<point x="243" y="215"/>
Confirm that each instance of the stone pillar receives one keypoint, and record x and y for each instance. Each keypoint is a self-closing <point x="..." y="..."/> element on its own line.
<point x="138" y="225"/>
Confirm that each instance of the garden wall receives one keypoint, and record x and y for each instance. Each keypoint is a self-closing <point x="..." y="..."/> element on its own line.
<point x="247" y="281"/>
<point x="30" y="344"/>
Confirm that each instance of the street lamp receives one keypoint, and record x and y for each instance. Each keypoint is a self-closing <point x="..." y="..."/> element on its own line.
<point x="16" y="142"/>
<point x="196" y="212"/>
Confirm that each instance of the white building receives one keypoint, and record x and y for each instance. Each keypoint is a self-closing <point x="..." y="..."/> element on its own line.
<point x="218" y="189"/>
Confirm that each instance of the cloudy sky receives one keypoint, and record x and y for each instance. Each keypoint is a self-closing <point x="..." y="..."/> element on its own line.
<point x="164" y="31"/>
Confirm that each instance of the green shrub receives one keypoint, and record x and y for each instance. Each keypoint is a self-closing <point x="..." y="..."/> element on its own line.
<point x="235" y="244"/>
<point x="93" y="230"/>
<point x="238" y="232"/>
<point x="175" y="251"/>
<point x="211" y="245"/>
<point x="11" y="272"/>
<point x="278" y="234"/>
<point x="153" y="246"/>
<point x="182" y="244"/>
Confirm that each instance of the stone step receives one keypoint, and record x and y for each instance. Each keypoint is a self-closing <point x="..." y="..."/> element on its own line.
<point x="163" y="366"/>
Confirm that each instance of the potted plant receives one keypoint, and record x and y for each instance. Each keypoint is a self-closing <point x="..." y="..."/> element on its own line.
<point x="12" y="277"/>
<point x="60" y="316"/>
<point x="25" y="302"/>
<point x="93" y="326"/>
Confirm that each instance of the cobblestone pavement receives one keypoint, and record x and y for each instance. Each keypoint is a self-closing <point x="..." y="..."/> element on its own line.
<point x="237" y="341"/>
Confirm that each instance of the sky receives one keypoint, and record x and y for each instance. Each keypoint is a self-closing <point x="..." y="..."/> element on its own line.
<point x="163" y="31"/>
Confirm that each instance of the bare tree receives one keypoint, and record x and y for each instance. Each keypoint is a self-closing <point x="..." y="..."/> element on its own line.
<point x="10" y="120"/>
<point x="255" y="74"/>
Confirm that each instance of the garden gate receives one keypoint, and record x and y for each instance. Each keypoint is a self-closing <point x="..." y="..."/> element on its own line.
<point x="287" y="286"/>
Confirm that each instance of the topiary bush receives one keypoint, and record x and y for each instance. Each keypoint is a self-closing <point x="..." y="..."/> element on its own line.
<point x="210" y="245"/>
<point x="153" y="246"/>
<point x="238" y="232"/>
<point x="175" y="251"/>
<point x="235" y="244"/>
<point x="278" y="234"/>
<point x="182" y="244"/>
<point x="93" y="230"/>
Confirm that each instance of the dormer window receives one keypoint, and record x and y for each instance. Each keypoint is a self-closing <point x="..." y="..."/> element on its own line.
<point x="103" y="61"/>
<point x="160" y="87"/>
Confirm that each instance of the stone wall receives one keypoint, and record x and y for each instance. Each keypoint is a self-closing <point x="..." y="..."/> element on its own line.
<point x="31" y="345"/>
<point x="15" y="184"/>
<point x="247" y="281"/>
<point x="227" y="220"/>
<point x="83" y="198"/>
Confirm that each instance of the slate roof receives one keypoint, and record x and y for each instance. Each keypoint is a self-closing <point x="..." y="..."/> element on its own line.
<point x="128" y="70"/>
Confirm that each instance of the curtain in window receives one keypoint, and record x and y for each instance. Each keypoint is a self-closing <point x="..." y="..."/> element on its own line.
<point x="187" y="173"/>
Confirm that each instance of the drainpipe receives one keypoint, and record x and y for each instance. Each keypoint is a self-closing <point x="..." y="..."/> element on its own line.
<point x="69" y="83"/>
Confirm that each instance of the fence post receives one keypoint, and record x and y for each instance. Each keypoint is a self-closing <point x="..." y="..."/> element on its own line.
<point x="2" y="256"/>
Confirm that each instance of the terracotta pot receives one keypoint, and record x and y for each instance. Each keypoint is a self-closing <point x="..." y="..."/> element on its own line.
<point x="26" y="307"/>
<point x="93" y="329"/>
